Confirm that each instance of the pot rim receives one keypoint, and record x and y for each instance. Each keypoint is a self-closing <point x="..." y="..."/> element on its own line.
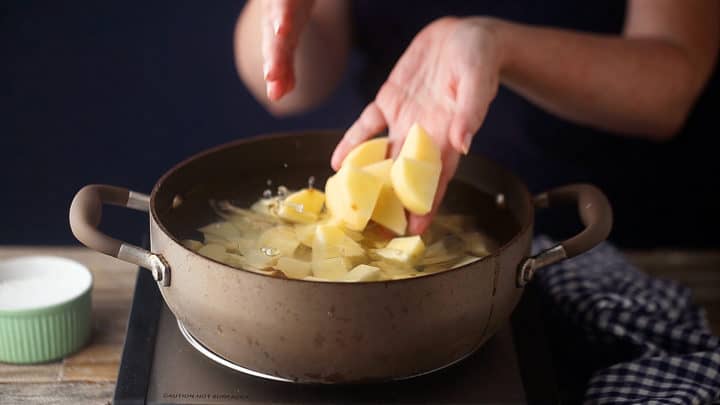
<point x="524" y="227"/>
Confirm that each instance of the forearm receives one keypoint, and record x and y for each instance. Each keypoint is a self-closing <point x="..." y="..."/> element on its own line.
<point x="320" y="57"/>
<point x="643" y="87"/>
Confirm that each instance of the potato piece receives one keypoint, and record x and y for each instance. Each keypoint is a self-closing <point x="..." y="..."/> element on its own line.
<point x="213" y="251"/>
<point x="258" y="259"/>
<point x="415" y="183"/>
<point x="305" y="233"/>
<point x="302" y="206"/>
<point x="367" y="152"/>
<point x="420" y="146"/>
<point x="332" y="269"/>
<point x="363" y="272"/>
<point x="406" y="251"/>
<point x="294" y="213"/>
<point x="294" y="268"/>
<point x="281" y="239"/>
<point x="332" y="203"/>
<point x="381" y="170"/>
<point x="192" y="244"/>
<point x="465" y="261"/>
<point x="351" y="196"/>
<point x="389" y="211"/>
<point x="354" y="235"/>
<point x="391" y="269"/>
<point x="225" y="230"/>
<point x="330" y="242"/>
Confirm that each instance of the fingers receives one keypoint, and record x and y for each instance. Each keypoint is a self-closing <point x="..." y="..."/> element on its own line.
<point x="417" y="224"/>
<point x="283" y="21"/>
<point x="370" y="123"/>
<point x="473" y="99"/>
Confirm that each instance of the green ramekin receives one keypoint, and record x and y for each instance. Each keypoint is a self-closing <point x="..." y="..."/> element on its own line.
<point x="50" y="331"/>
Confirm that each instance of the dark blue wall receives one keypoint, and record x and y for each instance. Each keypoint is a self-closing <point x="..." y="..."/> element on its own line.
<point x="117" y="92"/>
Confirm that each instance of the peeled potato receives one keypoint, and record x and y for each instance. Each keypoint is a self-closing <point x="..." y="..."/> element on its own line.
<point x="405" y="251"/>
<point x="363" y="272"/>
<point x="381" y="170"/>
<point x="389" y="211"/>
<point x="367" y="152"/>
<point x="330" y="241"/>
<point x="294" y="268"/>
<point x="305" y="233"/>
<point x="333" y="269"/>
<point x="419" y="145"/>
<point x="351" y="196"/>
<point x="415" y="183"/>
<point x="213" y="251"/>
<point x="302" y="206"/>
<point x="281" y="239"/>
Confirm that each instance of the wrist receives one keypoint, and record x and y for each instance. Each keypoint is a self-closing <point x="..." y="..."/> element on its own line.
<point x="494" y="40"/>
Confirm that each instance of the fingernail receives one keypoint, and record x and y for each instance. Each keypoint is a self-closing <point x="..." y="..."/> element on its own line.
<point x="467" y="140"/>
<point x="266" y="70"/>
<point x="276" y="26"/>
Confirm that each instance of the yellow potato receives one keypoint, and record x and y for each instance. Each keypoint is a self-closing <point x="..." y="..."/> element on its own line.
<point x="406" y="251"/>
<point x="213" y="251"/>
<point x="392" y="270"/>
<point x="302" y="206"/>
<point x="332" y="269"/>
<point x="363" y="272"/>
<point x="351" y="196"/>
<point x="225" y="230"/>
<point x="330" y="242"/>
<point x="305" y="233"/>
<point x="367" y="152"/>
<point x="415" y="183"/>
<point x="381" y="170"/>
<point x="419" y="145"/>
<point x="389" y="211"/>
<point x="294" y="268"/>
<point x="192" y="244"/>
<point x="293" y="213"/>
<point x="279" y="241"/>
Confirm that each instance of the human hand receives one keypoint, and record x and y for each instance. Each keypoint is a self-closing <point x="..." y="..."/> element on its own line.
<point x="282" y="24"/>
<point x="444" y="81"/>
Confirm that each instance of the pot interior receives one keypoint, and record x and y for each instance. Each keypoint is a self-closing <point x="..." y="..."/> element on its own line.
<point x="241" y="171"/>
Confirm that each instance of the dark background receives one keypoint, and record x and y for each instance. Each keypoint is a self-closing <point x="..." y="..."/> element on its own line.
<point x="118" y="92"/>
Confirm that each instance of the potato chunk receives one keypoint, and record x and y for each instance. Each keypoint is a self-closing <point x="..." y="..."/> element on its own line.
<point x="332" y="269"/>
<point x="363" y="272"/>
<point x="406" y="251"/>
<point x="330" y="241"/>
<point x="303" y="206"/>
<point x="389" y="211"/>
<point x="351" y="196"/>
<point x="415" y="183"/>
<point x="367" y="152"/>
<point x="281" y="240"/>
<point x="294" y="268"/>
<point x="381" y="170"/>
<point x="419" y="145"/>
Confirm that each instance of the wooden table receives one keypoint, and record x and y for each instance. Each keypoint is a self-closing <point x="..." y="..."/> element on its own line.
<point x="88" y="377"/>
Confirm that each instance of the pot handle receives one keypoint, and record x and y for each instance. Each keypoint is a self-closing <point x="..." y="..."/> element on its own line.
<point x="85" y="216"/>
<point x="596" y="214"/>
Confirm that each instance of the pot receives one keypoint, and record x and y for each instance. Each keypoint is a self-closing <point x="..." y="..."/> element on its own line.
<point x="332" y="332"/>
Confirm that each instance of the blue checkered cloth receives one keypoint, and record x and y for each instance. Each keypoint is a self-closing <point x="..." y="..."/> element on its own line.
<point x="673" y="357"/>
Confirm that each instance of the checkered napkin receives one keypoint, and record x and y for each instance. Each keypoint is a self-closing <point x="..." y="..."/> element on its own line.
<point x="673" y="358"/>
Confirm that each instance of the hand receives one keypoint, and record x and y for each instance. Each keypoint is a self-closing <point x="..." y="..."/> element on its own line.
<point x="445" y="81"/>
<point x="283" y="22"/>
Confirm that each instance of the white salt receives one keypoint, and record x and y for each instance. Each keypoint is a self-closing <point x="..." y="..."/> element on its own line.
<point x="38" y="282"/>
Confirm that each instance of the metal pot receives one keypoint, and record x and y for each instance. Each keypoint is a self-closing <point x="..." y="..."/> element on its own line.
<point x="331" y="332"/>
